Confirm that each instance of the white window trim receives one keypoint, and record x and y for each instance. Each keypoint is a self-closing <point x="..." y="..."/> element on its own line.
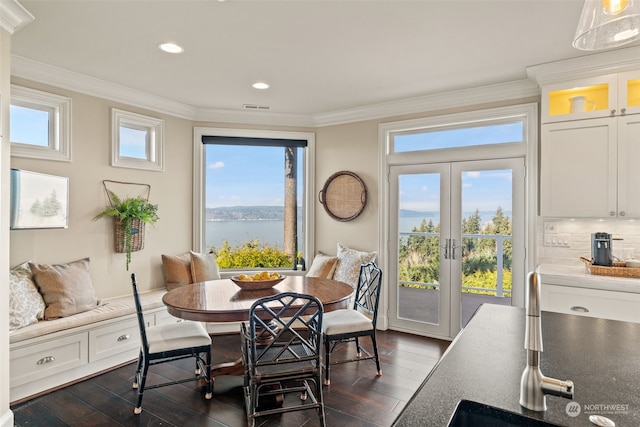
<point x="59" y="147"/>
<point x="199" y="176"/>
<point x="155" y="145"/>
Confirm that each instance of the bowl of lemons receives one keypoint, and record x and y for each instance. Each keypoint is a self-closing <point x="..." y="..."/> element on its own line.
<point x="262" y="280"/>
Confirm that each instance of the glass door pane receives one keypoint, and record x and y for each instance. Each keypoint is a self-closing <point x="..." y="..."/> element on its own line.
<point x="486" y="250"/>
<point x="420" y="294"/>
<point x="419" y="244"/>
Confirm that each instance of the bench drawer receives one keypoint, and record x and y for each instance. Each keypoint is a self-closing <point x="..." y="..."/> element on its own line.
<point x="32" y="362"/>
<point x="164" y="318"/>
<point x="117" y="339"/>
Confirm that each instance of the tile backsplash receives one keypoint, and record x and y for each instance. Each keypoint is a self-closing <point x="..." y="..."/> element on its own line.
<point x="573" y="238"/>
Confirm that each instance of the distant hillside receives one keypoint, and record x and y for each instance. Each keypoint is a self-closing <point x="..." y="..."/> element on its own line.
<point x="240" y="213"/>
<point x="276" y="213"/>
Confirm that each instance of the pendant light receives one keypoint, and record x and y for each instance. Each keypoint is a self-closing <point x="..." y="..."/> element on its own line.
<point x="607" y="23"/>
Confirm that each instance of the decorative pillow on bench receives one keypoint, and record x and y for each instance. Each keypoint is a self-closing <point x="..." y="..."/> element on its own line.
<point x="349" y="262"/>
<point x="26" y="305"/>
<point x="189" y="267"/>
<point x="65" y="288"/>
<point x="323" y="266"/>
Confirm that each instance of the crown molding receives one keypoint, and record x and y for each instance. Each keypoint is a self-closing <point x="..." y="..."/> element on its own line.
<point x="484" y="94"/>
<point x="65" y="79"/>
<point x="13" y="16"/>
<point x="59" y="77"/>
<point x="254" y="117"/>
<point x="597" y="64"/>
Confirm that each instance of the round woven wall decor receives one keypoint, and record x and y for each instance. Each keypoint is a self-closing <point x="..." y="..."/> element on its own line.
<point x="343" y="196"/>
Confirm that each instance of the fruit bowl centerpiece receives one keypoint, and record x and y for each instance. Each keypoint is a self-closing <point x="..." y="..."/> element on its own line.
<point x="262" y="280"/>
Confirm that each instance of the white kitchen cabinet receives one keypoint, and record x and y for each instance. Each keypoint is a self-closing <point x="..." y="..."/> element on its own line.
<point x="604" y="96"/>
<point x="591" y="302"/>
<point x="589" y="168"/>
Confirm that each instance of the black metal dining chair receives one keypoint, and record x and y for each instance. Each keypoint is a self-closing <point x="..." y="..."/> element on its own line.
<point x="165" y="343"/>
<point x="349" y="325"/>
<point x="281" y="355"/>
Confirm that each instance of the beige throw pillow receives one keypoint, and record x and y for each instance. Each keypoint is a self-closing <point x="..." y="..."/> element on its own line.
<point x="323" y="266"/>
<point x="65" y="288"/>
<point x="349" y="262"/>
<point x="26" y="305"/>
<point x="177" y="270"/>
<point x="204" y="267"/>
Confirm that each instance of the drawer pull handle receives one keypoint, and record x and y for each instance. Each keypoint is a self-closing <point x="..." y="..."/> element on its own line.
<point x="124" y="337"/>
<point x="580" y="309"/>
<point x="46" y="359"/>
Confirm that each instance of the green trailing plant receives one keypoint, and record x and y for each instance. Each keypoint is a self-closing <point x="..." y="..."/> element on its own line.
<point x="126" y="211"/>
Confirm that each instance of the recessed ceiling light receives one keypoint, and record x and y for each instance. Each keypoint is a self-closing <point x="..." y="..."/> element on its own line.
<point x="261" y="85"/>
<point x="171" y="48"/>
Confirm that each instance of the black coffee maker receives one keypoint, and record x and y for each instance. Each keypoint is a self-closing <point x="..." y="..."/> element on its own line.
<point x="601" y="249"/>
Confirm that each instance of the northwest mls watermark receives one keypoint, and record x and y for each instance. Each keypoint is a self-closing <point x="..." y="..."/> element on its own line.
<point x="573" y="409"/>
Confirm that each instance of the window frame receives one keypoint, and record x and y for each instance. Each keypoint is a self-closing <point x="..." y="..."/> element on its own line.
<point x="199" y="174"/>
<point x="154" y="146"/>
<point x="59" y="110"/>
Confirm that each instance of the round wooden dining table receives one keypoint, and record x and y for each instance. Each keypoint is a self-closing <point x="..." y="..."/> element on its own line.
<point x="223" y="301"/>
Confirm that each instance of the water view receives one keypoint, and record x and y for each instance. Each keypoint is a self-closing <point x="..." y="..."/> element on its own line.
<point x="270" y="231"/>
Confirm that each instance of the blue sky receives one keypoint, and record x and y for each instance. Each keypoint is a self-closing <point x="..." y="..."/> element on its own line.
<point x="482" y="190"/>
<point x="255" y="178"/>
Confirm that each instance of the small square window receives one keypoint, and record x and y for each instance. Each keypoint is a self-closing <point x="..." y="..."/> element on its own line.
<point x="40" y="124"/>
<point x="136" y="141"/>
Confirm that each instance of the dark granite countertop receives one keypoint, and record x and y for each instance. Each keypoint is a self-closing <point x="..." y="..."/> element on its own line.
<point x="485" y="362"/>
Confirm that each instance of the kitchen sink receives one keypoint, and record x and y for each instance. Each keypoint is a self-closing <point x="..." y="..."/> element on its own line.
<point x="474" y="414"/>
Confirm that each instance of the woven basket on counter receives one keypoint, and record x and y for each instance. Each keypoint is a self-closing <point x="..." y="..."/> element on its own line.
<point x="614" y="271"/>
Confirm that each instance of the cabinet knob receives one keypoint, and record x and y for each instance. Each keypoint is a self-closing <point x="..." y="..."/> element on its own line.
<point x="612" y="213"/>
<point x="622" y="213"/>
<point x="124" y="337"/>
<point x="613" y="113"/>
<point x="579" y="309"/>
<point x="623" y="111"/>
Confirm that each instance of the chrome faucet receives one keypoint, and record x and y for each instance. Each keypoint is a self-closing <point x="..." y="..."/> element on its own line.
<point x="534" y="387"/>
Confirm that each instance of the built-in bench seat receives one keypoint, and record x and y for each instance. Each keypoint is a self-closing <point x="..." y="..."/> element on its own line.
<point x="108" y="309"/>
<point x="53" y="353"/>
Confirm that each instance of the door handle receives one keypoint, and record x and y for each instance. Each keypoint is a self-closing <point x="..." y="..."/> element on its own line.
<point x="446" y="248"/>
<point x="453" y="248"/>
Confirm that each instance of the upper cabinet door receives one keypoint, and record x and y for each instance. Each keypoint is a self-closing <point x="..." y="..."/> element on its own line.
<point x="580" y="99"/>
<point x="628" y="170"/>
<point x="578" y="169"/>
<point x="629" y="92"/>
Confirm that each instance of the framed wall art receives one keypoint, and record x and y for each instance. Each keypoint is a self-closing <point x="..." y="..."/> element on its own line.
<point x="38" y="200"/>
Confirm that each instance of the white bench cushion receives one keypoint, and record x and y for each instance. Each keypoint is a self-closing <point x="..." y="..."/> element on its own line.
<point x="108" y="309"/>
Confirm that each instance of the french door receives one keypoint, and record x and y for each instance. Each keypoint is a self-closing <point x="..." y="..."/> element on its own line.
<point x="457" y="241"/>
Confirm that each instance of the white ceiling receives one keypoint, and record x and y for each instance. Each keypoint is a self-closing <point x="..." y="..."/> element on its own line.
<point x="318" y="56"/>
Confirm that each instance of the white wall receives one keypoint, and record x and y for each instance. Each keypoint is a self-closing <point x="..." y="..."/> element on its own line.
<point x="90" y="165"/>
<point x="352" y="147"/>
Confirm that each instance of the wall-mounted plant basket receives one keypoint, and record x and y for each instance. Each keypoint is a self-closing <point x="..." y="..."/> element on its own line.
<point x="130" y="214"/>
<point x="137" y="235"/>
<point x="343" y="196"/>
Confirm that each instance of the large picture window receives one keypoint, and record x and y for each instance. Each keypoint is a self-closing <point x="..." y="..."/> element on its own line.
<point x="40" y="124"/>
<point x="254" y="197"/>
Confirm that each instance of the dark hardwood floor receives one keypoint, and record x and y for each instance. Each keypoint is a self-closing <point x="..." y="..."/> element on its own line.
<point x="356" y="397"/>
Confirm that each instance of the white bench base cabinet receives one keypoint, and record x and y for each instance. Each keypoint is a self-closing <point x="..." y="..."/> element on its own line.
<point x="55" y="359"/>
